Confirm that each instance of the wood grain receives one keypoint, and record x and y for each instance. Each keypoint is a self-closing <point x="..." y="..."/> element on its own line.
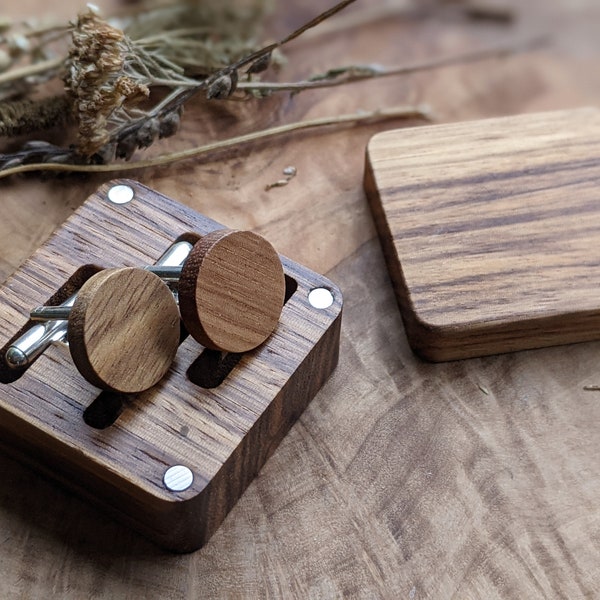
<point x="124" y="330"/>
<point x="487" y="228"/>
<point x="223" y="434"/>
<point x="402" y="479"/>
<point x="231" y="290"/>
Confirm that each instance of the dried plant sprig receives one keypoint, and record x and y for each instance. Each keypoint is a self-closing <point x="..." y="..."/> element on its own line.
<point x="227" y="80"/>
<point x="96" y="79"/>
<point x="18" y="117"/>
<point x="179" y="36"/>
<point x="27" y="56"/>
<point x="257" y="61"/>
<point x="198" y="36"/>
<point x="108" y="75"/>
<point x="472" y="9"/>
<point x="219" y="85"/>
<point x="109" y="72"/>
<point x="38" y="151"/>
<point x="58" y="164"/>
<point x="355" y="73"/>
<point x="201" y="37"/>
<point x="129" y="143"/>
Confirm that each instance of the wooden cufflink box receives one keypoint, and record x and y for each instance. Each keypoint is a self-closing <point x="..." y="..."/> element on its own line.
<point x="215" y="417"/>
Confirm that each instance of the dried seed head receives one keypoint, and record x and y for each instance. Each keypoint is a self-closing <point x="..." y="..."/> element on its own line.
<point x="106" y="154"/>
<point x="96" y="81"/>
<point x="127" y="146"/>
<point x="222" y="86"/>
<point x="147" y="133"/>
<point x="10" y="163"/>
<point x="260" y="64"/>
<point x="18" y="117"/>
<point x="37" y="152"/>
<point x="169" y="124"/>
<point x="132" y="91"/>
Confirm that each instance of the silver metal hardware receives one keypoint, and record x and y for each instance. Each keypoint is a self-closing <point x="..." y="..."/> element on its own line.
<point x="320" y="298"/>
<point x="35" y="340"/>
<point x="121" y="194"/>
<point x="178" y="478"/>
<point x="167" y="274"/>
<point x="50" y="313"/>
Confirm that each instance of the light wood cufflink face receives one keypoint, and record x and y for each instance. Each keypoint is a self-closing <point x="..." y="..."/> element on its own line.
<point x="231" y="290"/>
<point x="124" y="330"/>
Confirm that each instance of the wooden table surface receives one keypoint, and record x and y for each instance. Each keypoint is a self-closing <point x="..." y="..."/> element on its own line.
<point x="403" y="479"/>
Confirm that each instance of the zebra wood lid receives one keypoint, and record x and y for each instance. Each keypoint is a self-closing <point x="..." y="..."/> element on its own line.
<point x="490" y="230"/>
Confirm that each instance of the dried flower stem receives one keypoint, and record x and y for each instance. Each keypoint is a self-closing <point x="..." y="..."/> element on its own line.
<point x="38" y="68"/>
<point x="253" y="57"/>
<point x="359" y="18"/>
<point x="352" y="74"/>
<point x="385" y="114"/>
<point x="473" y="10"/>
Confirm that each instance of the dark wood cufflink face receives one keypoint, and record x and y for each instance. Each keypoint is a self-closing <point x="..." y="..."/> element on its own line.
<point x="124" y="330"/>
<point x="231" y="290"/>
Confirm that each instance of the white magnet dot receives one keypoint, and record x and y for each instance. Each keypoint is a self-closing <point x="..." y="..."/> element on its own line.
<point x="320" y="298"/>
<point x="178" y="478"/>
<point x="121" y="194"/>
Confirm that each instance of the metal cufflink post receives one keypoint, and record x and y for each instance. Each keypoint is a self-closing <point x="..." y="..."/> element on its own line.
<point x="122" y="327"/>
<point x="36" y="339"/>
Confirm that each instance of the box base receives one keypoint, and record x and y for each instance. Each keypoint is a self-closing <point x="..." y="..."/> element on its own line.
<point x="221" y="416"/>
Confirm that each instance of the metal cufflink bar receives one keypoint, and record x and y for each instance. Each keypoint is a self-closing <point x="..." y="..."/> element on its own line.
<point x="180" y="453"/>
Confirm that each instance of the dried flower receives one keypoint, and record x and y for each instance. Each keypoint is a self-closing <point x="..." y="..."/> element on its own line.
<point x="110" y="69"/>
<point x="126" y="146"/>
<point x="96" y="80"/>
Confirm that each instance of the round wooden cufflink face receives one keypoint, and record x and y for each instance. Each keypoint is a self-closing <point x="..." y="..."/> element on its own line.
<point x="231" y="290"/>
<point x="124" y="330"/>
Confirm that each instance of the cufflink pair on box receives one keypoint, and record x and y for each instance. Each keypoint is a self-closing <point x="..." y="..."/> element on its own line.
<point x="123" y="325"/>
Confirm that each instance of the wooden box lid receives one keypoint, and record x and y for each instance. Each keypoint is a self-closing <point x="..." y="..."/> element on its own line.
<point x="491" y="231"/>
